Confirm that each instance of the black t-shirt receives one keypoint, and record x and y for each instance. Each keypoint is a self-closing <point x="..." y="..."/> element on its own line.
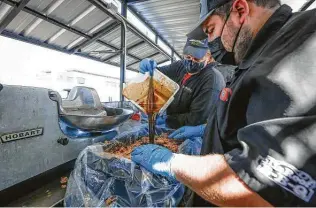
<point x="193" y="102"/>
<point x="265" y="121"/>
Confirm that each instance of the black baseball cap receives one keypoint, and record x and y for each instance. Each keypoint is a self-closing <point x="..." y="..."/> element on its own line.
<point x="196" y="48"/>
<point x="207" y="7"/>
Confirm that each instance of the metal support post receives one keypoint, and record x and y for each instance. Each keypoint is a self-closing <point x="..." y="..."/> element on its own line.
<point x="123" y="49"/>
<point x="306" y="5"/>
<point x="172" y="56"/>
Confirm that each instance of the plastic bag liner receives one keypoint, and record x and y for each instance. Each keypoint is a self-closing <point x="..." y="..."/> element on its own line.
<point x="99" y="179"/>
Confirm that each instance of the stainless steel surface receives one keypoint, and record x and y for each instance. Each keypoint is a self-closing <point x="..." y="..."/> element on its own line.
<point x="84" y="110"/>
<point x="93" y="122"/>
<point x="47" y="196"/>
<point x="25" y="108"/>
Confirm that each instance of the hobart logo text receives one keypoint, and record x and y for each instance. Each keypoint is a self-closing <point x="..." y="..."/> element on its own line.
<point x="21" y="135"/>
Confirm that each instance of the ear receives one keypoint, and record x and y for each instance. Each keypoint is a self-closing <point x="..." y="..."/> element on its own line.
<point x="242" y="8"/>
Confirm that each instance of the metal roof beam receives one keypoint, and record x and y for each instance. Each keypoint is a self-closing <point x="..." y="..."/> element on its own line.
<point x="129" y="48"/>
<point x="102" y="6"/>
<point x="142" y="36"/>
<point x="118" y="65"/>
<point x="152" y="28"/>
<point x="134" y="1"/>
<point x="100" y="34"/>
<point x="152" y="55"/>
<point x="112" y="56"/>
<point x="135" y="62"/>
<point x="59" y="24"/>
<point x="306" y="5"/>
<point x="136" y="45"/>
<point x="16" y="10"/>
<point x="117" y="49"/>
<point x="22" y="7"/>
<point x="8" y="34"/>
<point x="161" y="62"/>
<point x="46" y="18"/>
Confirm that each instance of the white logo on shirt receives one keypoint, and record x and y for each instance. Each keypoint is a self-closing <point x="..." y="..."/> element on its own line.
<point x="288" y="177"/>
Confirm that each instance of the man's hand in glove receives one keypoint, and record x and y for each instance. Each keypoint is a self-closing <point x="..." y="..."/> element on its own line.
<point x="155" y="159"/>
<point x="187" y="132"/>
<point x="161" y="120"/>
<point x="147" y="65"/>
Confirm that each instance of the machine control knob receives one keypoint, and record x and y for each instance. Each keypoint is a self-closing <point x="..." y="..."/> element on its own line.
<point x="63" y="141"/>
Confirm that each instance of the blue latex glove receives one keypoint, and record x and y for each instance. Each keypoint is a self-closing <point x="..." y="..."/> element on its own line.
<point x="155" y="159"/>
<point x="161" y="120"/>
<point x="147" y="65"/>
<point x="187" y="132"/>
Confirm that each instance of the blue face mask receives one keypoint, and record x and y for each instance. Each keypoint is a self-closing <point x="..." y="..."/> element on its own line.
<point x="193" y="67"/>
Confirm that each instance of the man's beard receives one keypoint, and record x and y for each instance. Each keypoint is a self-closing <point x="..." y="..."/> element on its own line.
<point x="243" y="41"/>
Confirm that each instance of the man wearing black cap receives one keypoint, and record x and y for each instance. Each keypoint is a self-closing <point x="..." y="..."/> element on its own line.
<point x="260" y="145"/>
<point x="200" y="85"/>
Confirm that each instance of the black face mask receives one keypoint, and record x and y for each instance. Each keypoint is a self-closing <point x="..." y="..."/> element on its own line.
<point x="193" y="67"/>
<point x="219" y="52"/>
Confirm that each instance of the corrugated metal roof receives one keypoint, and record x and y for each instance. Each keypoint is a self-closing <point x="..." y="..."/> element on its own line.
<point x="4" y="10"/>
<point x="85" y="27"/>
<point x="172" y="19"/>
<point x="75" y="26"/>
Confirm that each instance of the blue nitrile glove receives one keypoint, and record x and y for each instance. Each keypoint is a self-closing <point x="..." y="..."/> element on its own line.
<point x="144" y="118"/>
<point x="147" y="65"/>
<point x="143" y="131"/>
<point x="187" y="132"/>
<point x="155" y="159"/>
<point x="161" y="120"/>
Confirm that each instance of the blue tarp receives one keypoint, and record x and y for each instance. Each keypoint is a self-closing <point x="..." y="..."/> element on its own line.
<point x="99" y="179"/>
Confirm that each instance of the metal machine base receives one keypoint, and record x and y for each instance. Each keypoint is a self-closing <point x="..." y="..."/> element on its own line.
<point x="31" y="141"/>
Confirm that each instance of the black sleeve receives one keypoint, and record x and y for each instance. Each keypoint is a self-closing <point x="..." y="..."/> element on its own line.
<point x="278" y="154"/>
<point x="172" y="71"/>
<point x="199" y="111"/>
<point x="202" y="104"/>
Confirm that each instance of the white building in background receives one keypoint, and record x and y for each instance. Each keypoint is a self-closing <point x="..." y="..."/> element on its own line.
<point x="107" y="87"/>
<point x="29" y="65"/>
